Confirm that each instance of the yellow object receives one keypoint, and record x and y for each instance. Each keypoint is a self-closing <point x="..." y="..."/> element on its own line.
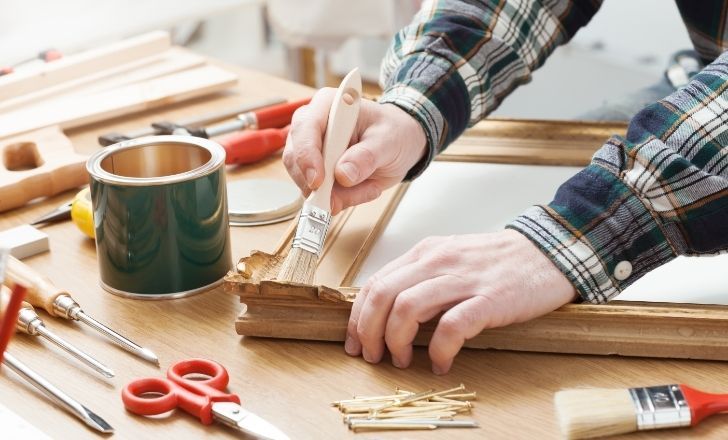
<point x="82" y="213"/>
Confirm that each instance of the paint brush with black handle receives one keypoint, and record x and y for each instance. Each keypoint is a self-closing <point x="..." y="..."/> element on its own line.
<point x="313" y="223"/>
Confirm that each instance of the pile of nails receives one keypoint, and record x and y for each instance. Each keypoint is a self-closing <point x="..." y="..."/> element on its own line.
<point x="405" y="410"/>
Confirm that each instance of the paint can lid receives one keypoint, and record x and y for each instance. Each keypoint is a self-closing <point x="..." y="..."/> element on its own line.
<point x="253" y="202"/>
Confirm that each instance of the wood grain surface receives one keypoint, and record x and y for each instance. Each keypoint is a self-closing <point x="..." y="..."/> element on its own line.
<point x="287" y="382"/>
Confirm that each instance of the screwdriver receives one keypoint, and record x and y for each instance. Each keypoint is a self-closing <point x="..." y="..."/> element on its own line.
<point x="274" y="116"/>
<point x="58" y="303"/>
<point x="29" y="322"/>
<point x="57" y="396"/>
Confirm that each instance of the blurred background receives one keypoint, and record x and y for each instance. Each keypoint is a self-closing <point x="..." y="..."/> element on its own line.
<point x="625" y="47"/>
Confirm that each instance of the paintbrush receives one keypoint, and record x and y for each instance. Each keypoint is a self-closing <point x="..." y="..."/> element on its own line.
<point x="313" y="223"/>
<point x="589" y="413"/>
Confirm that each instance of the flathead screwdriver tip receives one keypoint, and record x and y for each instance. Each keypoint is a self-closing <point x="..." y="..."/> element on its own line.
<point x="96" y="422"/>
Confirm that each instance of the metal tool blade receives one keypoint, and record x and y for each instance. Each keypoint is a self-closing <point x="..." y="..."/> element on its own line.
<point x="122" y="341"/>
<point x="233" y="415"/>
<point x="57" y="396"/>
<point x="63" y="212"/>
<point x="75" y="352"/>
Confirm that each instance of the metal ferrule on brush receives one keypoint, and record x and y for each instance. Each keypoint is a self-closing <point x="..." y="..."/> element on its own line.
<point x="312" y="227"/>
<point x="660" y="407"/>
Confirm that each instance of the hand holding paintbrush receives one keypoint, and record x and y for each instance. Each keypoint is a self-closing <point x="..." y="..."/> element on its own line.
<point x="300" y="263"/>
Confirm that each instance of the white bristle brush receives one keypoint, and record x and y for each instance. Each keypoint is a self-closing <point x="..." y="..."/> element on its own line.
<point x="313" y="223"/>
<point x="590" y="413"/>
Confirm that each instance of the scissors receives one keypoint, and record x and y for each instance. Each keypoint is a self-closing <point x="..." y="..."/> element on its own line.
<point x="205" y="399"/>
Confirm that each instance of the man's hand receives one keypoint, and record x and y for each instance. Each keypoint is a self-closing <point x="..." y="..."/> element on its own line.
<point x="480" y="281"/>
<point x="386" y="143"/>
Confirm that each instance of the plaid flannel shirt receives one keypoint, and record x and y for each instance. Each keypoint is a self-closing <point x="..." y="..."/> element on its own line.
<point x="660" y="192"/>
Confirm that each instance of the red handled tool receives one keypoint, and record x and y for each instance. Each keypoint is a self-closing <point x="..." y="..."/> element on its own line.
<point x="46" y="56"/>
<point x="274" y="116"/>
<point x="205" y="399"/>
<point x="253" y="145"/>
<point x="8" y="311"/>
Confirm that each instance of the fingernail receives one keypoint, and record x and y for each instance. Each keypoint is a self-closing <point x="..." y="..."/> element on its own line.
<point x="310" y="177"/>
<point x="350" y="171"/>
<point x="437" y="370"/>
<point x="349" y="345"/>
<point x="366" y="355"/>
<point x="397" y="363"/>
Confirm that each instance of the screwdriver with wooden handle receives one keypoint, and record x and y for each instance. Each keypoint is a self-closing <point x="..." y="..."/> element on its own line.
<point x="58" y="303"/>
<point x="29" y="322"/>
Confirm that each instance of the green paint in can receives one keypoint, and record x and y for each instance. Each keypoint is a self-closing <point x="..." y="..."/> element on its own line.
<point x="160" y="216"/>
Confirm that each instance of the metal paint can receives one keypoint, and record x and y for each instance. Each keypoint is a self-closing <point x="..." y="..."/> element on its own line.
<point x="160" y="216"/>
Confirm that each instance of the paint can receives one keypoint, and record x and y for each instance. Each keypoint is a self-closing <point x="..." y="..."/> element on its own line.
<point x="160" y="216"/>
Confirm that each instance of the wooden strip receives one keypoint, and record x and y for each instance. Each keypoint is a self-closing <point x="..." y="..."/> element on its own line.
<point x="640" y="329"/>
<point x="82" y="64"/>
<point x="77" y="111"/>
<point x="528" y="142"/>
<point x="171" y="61"/>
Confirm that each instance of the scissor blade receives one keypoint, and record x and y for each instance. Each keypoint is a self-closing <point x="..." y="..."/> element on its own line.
<point x="235" y="416"/>
<point x="63" y="212"/>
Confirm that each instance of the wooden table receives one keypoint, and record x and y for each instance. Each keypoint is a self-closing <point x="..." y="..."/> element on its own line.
<point x="287" y="382"/>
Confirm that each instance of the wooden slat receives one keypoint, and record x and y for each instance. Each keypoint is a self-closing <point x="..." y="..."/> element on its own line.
<point x="78" y="111"/>
<point x="82" y="64"/>
<point x="627" y="329"/>
<point x="170" y="61"/>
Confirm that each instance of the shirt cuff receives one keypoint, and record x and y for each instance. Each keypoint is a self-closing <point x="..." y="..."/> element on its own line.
<point x="598" y="233"/>
<point x="428" y="88"/>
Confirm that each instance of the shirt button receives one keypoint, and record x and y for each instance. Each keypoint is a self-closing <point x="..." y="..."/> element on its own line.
<point x="622" y="270"/>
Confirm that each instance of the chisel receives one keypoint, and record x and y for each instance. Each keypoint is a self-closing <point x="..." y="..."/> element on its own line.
<point x="58" y="303"/>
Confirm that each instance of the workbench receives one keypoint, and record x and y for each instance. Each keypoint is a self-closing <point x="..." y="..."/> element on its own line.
<point x="289" y="383"/>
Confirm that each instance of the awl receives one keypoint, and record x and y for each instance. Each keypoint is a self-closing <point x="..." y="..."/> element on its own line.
<point x="29" y="322"/>
<point x="42" y="293"/>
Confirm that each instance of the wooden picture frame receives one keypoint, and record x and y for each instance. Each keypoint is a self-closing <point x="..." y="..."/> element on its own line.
<point x="285" y="310"/>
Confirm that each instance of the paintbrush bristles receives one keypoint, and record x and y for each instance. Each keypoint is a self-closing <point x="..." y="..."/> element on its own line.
<point x="590" y="413"/>
<point x="298" y="267"/>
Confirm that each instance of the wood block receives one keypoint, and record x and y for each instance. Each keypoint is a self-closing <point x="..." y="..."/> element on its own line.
<point x="80" y="110"/>
<point x="40" y="163"/>
<point x="24" y="241"/>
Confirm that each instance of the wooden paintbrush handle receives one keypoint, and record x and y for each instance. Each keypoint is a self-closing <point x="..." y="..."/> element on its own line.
<point x="41" y="291"/>
<point x="342" y="120"/>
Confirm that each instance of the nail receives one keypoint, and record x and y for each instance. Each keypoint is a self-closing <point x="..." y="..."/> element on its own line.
<point x="437" y="370"/>
<point x="366" y="355"/>
<point x="310" y="177"/>
<point x="397" y="363"/>
<point x="350" y="171"/>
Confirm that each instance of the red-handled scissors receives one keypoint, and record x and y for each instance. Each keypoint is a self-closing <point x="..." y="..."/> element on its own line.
<point x="205" y="399"/>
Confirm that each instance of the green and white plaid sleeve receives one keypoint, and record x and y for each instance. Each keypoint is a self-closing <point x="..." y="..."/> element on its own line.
<point x="659" y="193"/>
<point x="458" y="59"/>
